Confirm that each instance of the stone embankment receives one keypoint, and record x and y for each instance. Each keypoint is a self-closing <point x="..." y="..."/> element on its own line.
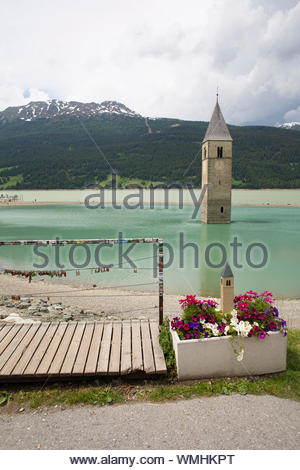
<point x="30" y="310"/>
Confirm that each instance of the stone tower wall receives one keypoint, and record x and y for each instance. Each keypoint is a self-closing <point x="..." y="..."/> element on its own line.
<point x="217" y="173"/>
<point x="227" y="294"/>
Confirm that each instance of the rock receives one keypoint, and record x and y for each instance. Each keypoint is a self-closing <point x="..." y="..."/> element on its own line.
<point x="15" y="318"/>
<point x="23" y="305"/>
<point x="44" y="309"/>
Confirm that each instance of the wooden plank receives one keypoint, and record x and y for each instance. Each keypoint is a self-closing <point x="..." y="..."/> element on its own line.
<point x="3" y="332"/>
<point x="159" y="358"/>
<point x="137" y="358"/>
<point x="103" y="361"/>
<point x="21" y="349"/>
<point x="10" y="332"/>
<point x="82" y="355"/>
<point x="30" y="350"/>
<point x="149" y="366"/>
<point x="74" y="346"/>
<point x="92" y="359"/>
<point x="40" y="351"/>
<point x="62" y="349"/>
<point x="51" y="350"/>
<point x="115" y="353"/>
<point x="126" y="348"/>
<point x="13" y="344"/>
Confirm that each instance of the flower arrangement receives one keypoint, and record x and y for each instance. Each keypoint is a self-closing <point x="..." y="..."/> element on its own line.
<point x="253" y="315"/>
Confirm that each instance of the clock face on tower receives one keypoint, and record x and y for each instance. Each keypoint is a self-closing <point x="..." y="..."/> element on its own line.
<point x="219" y="165"/>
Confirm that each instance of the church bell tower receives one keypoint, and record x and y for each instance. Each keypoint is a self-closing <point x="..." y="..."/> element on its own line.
<point x="217" y="170"/>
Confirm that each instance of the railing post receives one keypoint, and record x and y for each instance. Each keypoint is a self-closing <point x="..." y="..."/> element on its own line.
<point x="161" y="280"/>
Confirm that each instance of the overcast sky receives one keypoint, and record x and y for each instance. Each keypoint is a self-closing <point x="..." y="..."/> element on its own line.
<point x="158" y="57"/>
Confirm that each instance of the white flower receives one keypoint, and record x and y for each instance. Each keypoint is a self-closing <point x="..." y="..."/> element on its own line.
<point x="242" y="328"/>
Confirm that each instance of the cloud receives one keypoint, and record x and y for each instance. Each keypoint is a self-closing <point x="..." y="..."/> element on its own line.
<point x="159" y="58"/>
<point x="16" y="96"/>
<point x="293" y="115"/>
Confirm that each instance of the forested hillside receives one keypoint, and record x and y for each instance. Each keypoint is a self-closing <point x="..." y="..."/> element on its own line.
<point x="60" y="153"/>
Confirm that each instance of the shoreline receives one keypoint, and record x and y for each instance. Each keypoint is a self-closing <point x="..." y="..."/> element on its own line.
<point x="171" y="203"/>
<point x="118" y="303"/>
<point x="115" y="304"/>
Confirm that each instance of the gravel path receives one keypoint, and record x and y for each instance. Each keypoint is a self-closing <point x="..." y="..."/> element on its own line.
<point x="222" y="422"/>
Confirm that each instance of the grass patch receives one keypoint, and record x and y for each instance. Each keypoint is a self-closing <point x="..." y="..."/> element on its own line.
<point x="124" y="181"/>
<point x="165" y="340"/>
<point x="283" y="385"/>
<point x="105" y="395"/>
<point x="12" y="182"/>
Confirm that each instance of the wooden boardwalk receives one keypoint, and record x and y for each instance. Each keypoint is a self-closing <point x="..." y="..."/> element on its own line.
<point x="79" y="349"/>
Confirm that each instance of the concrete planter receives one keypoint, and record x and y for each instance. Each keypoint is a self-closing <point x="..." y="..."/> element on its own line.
<point x="214" y="357"/>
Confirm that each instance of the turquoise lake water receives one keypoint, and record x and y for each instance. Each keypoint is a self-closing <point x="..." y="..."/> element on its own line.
<point x="276" y="228"/>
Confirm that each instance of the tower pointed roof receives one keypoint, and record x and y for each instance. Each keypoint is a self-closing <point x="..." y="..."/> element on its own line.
<point x="217" y="127"/>
<point x="227" y="271"/>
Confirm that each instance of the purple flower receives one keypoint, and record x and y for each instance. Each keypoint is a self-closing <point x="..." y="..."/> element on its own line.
<point x="275" y="311"/>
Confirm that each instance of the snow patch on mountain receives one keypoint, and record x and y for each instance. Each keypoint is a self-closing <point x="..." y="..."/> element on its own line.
<point x="290" y="125"/>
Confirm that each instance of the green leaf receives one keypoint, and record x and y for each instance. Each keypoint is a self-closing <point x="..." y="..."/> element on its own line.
<point x="4" y="398"/>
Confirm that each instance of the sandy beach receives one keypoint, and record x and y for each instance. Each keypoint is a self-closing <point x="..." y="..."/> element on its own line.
<point x="171" y="203"/>
<point x="117" y="304"/>
<point x="240" y="197"/>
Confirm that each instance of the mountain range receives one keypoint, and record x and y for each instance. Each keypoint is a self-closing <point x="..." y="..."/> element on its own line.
<point x="55" y="109"/>
<point x="57" y="144"/>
